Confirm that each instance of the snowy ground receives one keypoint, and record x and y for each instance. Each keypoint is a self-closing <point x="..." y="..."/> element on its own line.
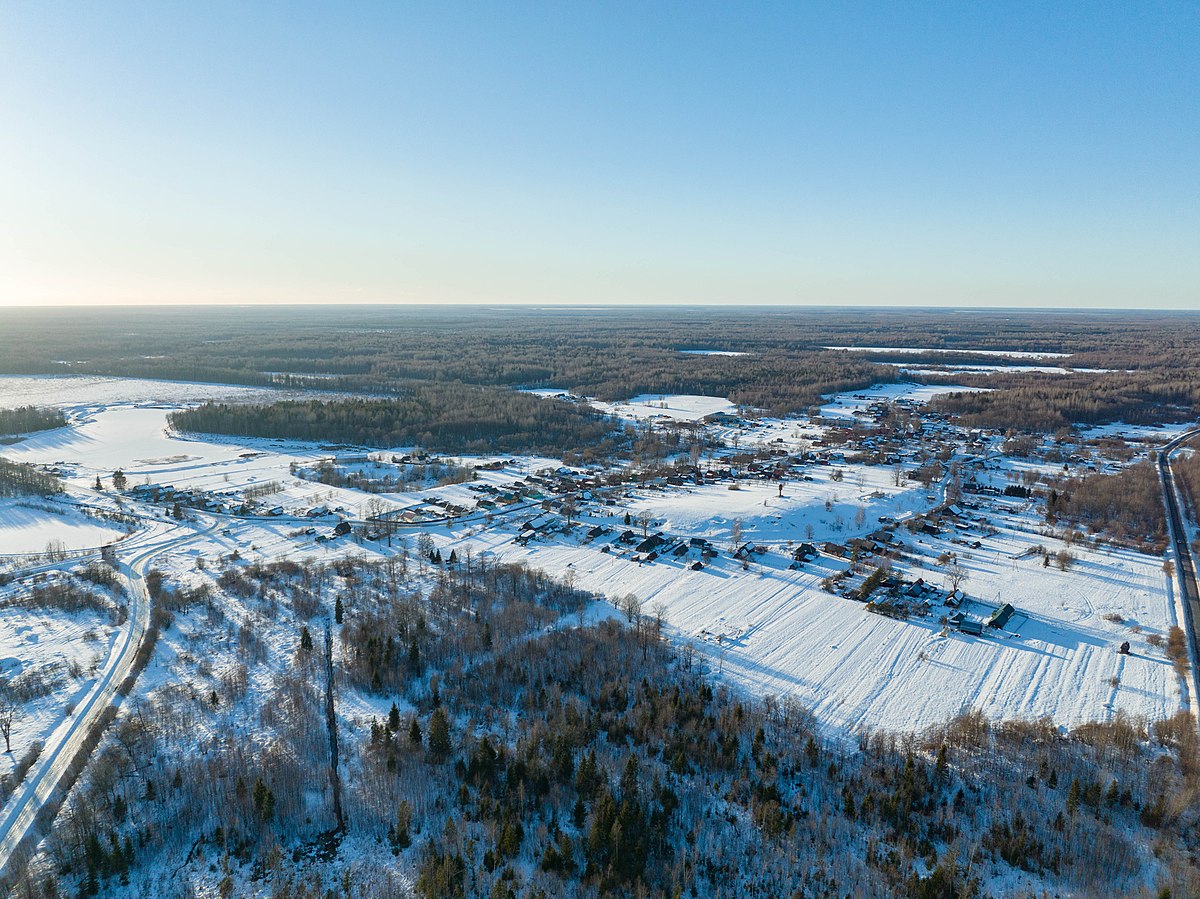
<point x="849" y="405"/>
<point x="774" y="630"/>
<point x="768" y="628"/>
<point x="27" y="527"/>
<point x="1007" y="369"/>
<point x="74" y="391"/>
<point x="61" y="651"/>
<point x="915" y="350"/>
<point x="678" y="406"/>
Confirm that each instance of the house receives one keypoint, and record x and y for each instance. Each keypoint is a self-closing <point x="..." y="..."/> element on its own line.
<point x="974" y="628"/>
<point x="654" y="541"/>
<point x="1001" y="616"/>
<point x="804" y="552"/>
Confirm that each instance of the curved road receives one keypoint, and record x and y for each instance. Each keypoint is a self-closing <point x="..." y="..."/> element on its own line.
<point x="41" y="785"/>
<point x="1185" y="569"/>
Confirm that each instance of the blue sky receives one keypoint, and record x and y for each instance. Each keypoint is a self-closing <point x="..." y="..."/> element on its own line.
<point x="959" y="154"/>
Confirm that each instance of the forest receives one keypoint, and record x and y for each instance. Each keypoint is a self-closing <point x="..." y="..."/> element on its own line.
<point x="1125" y="367"/>
<point x="1126" y="506"/>
<point x="1047" y="403"/>
<point x="520" y="750"/>
<point x="19" y="479"/>
<point x="27" y="419"/>
<point x="441" y="417"/>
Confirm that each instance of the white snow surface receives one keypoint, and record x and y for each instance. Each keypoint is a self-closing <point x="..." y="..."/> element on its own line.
<point x="682" y="407"/>
<point x="27" y="527"/>
<point x="768" y="629"/>
<point x="915" y="350"/>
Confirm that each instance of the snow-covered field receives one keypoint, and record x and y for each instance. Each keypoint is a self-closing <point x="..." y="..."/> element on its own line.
<point x="916" y="350"/>
<point x="848" y="405"/>
<point x="57" y="651"/>
<point x="766" y="627"/>
<point x="28" y="527"/>
<point x="679" y="407"/>
<point x="73" y="391"/>
<point x="775" y="631"/>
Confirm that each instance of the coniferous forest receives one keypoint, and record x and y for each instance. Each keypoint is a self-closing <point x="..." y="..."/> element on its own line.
<point x="1124" y="367"/>
<point x="522" y="750"/>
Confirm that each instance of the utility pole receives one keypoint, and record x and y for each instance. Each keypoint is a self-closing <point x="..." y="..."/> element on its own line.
<point x="331" y="722"/>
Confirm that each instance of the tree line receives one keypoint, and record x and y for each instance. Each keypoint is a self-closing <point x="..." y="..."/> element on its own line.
<point x="520" y="750"/>
<point x="20" y="479"/>
<point x="453" y="418"/>
<point x="26" y="419"/>
<point x="1047" y="403"/>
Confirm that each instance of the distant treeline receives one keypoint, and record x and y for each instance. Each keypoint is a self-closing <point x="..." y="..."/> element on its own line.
<point x="616" y="353"/>
<point x="441" y="417"/>
<point x="26" y="419"/>
<point x="1033" y="402"/>
<point x="19" y="479"/>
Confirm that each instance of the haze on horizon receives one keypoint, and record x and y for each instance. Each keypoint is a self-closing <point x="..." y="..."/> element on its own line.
<point x="1017" y="154"/>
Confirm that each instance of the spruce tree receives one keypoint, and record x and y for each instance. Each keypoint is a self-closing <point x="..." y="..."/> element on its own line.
<point x="439" y="734"/>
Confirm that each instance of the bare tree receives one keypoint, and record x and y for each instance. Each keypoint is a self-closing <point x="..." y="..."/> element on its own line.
<point x="736" y="534"/>
<point x="644" y="519"/>
<point x="570" y="508"/>
<point x="956" y="574"/>
<point x="8" y="714"/>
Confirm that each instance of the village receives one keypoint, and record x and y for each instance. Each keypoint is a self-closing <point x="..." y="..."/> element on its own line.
<point x="763" y="542"/>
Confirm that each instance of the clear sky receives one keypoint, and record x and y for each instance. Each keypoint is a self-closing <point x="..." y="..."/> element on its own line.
<point x="1043" y="153"/>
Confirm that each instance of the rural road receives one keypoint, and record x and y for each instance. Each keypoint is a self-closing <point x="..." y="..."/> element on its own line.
<point x="1185" y="571"/>
<point x="41" y="785"/>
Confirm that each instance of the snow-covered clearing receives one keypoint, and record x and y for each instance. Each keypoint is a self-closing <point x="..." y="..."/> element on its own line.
<point x="775" y="631"/>
<point x="28" y="526"/>
<point x="71" y="391"/>
<point x="917" y="350"/>
<point x="52" y="655"/>
<point x="680" y="407"/>
<point x="766" y="626"/>
<point x="856" y="403"/>
<point x="1007" y="369"/>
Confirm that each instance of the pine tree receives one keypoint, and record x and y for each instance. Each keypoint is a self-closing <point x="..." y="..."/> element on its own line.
<point x="439" y="734"/>
<point x="393" y="724"/>
<point x="118" y="479"/>
<point x="414" y="732"/>
<point x="306" y="643"/>
<point x="338" y="610"/>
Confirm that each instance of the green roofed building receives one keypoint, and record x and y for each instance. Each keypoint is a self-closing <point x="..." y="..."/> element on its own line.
<point x="1001" y="616"/>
